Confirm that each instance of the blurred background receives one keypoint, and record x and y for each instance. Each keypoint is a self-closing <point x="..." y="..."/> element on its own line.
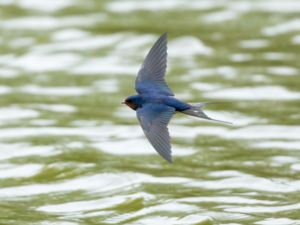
<point x="71" y="154"/>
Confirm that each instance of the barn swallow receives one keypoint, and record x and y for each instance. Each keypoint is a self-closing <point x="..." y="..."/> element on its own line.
<point x="155" y="103"/>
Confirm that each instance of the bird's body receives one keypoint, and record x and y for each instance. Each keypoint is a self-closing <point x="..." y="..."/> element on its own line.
<point x="155" y="103"/>
<point x="139" y="100"/>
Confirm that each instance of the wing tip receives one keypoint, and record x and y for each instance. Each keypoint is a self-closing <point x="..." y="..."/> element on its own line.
<point x="163" y="37"/>
<point x="168" y="158"/>
<point x="165" y="34"/>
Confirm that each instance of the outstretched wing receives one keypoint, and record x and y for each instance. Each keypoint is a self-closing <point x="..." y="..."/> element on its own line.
<point x="151" y="76"/>
<point x="154" y="119"/>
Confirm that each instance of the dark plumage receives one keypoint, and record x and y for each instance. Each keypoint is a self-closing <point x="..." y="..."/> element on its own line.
<point x="155" y="103"/>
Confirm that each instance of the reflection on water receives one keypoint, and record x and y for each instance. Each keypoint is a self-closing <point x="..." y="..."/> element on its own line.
<point x="71" y="154"/>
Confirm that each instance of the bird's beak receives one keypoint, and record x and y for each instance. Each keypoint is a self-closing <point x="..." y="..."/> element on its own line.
<point x="123" y="102"/>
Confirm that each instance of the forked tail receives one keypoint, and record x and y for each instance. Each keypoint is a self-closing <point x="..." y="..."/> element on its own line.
<point x="196" y="110"/>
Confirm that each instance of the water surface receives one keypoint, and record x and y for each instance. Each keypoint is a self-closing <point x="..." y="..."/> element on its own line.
<point x="71" y="154"/>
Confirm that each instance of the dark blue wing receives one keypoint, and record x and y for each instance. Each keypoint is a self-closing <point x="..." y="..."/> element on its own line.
<point x="151" y="76"/>
<point x="154" y="119"/>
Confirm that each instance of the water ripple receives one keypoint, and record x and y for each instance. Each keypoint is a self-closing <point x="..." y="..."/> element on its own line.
<point x="71" y="154"/>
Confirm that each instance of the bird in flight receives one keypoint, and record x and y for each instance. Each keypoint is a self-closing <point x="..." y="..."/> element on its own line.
<point x="155" y="103"/>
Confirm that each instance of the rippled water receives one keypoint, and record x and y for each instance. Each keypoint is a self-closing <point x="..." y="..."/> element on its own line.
<point x="70" y="153"/>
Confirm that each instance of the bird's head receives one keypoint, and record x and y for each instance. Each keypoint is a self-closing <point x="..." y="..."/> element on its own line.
<point x="130" y="101"/>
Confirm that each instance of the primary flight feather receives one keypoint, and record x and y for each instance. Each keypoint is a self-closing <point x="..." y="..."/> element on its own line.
<point x="155" y="103"/>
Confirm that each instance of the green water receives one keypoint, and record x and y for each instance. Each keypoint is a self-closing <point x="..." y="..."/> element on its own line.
<point x="70" y="153"/>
